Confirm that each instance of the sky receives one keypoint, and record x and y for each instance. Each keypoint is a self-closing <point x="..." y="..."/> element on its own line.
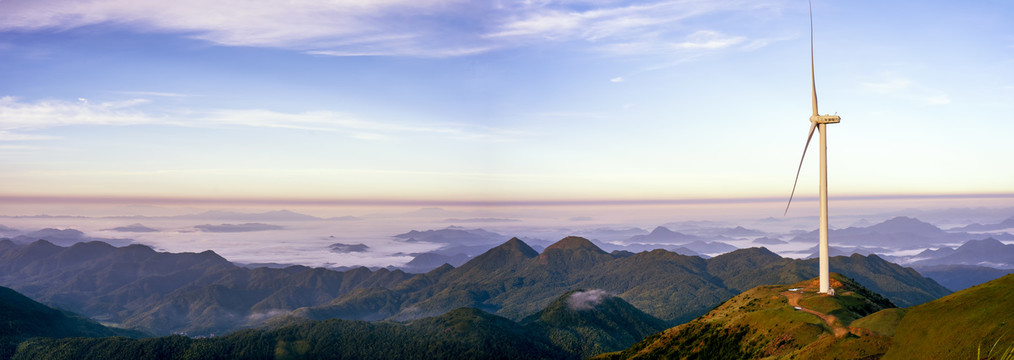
<point x="431" y="101"/>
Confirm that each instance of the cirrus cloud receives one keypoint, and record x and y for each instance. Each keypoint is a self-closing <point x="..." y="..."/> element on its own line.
<point x="417" y="28"/>
<point x="21" y="120"/>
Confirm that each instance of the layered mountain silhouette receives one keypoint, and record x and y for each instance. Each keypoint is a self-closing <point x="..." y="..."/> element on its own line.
<point x="162" y="293"/>
<point x="202" y="293"/>
<point x="897" y="233"/>
<point x="960" y="277"/>
<point x="576" y="325"/>
<point x="1003" y="225"/>
<point x="662" y="234"/>
<point x="64" y="237"/>
<point x="987" y="252"/>
<point x="972" y="263"/>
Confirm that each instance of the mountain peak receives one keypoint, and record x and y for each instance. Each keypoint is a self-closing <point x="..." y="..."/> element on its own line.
<point x="575" y="243"/>
<point x="573" y="253"/>
<point x="903" y="224"/>
<point x="516" y="246"/>
<point x="988" y="243"/>
<point x="505" y="256"/>
<point x="662" y="230"/>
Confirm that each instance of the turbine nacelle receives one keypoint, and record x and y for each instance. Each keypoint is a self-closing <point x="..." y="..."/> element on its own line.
<point x="825" y="119"/>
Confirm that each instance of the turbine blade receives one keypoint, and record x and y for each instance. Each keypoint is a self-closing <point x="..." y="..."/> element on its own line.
<point x="813" y="77"/>
<point x="794" y="183"/>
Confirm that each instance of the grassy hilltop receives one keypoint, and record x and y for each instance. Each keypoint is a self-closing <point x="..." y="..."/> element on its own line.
<point x="795" y="322"/>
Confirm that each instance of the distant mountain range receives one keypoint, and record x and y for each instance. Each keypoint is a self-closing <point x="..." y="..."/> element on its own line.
<point x="280" y="215"/>
<point x="1003" y="225"/>
<point x="202" y="293"/>
<point x="900" y="233"/>
<point x="64" y="237"/>
<point x="987" y="252"/>
<point x="960" y="277"/>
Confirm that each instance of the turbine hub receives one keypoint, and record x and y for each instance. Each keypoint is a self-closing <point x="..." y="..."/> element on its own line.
<point x="825" y="119"/>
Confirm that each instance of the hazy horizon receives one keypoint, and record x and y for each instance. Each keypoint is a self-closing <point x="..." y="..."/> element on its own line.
<point x="306" y="241"/>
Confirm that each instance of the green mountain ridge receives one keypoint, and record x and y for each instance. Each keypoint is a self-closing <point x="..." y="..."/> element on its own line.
<point x="793" y="322"/>
<point x="587" y="323"/>
<point x="22" y="318"/>
<point x="669" y="286"/>
<point x="204" y="294"/>
<point x="560" y="331"/>
<point x="772" y="321"/>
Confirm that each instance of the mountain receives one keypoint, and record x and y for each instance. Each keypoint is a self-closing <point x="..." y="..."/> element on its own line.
<point x="137" y="228"/>
<point x="64" y="237"/>
<point x="793" y="322"/>
<point x="428" y="261"/>
<point x="782" y="321"/>
<point x="960" y="277"/>
<point x="987" y="252"/>
<point x="662" y="235"/>
<point x="576" y="325"/>
<point x="457" y="240"/>
<point x="906" y="225"/>
<point x="459" y="334"/>
<point x="280" y="215"/>
<point x="22" y="318"/>
<point x="203" y="294"/>
<point x="1003" y="225"/>
<point x="453" y="235"/>
<point x="587" y="323"/>
<point x="514" y="281"/>
<point x="846" y="251"/>
<point x="740" y="231"/>
<point x="197" y="293"/>
<point x="714" y="247"/>
<point x="902" y="285"/>
<point x="899" y="232"/>
<point x="769" y="241"/>
<point x="233" y="228"/>
<point x="960" y="325"/>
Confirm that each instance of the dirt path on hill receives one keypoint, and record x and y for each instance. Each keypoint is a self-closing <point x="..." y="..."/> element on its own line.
<point x="830" y="320"/>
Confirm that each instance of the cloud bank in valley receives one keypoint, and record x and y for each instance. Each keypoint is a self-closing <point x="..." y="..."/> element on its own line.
<point x="586" y="300"/>
<point x="246" y="227"/>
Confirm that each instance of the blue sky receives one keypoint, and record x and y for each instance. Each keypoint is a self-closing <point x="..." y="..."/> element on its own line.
<point x="488" y="101"/>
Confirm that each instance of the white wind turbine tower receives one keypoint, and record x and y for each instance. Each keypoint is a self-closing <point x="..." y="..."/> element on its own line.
<point x="818" y="122"/>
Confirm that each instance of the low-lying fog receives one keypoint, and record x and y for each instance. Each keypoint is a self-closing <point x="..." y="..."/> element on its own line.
<point x="352" y="236"/>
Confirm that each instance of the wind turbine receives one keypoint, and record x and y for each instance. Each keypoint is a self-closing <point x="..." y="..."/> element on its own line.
<point x="818" y="122"/>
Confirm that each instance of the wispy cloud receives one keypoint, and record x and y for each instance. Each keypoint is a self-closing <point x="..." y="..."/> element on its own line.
<point x="387" y="27"/>
<point x="152" y="94"/>
<point x="19" y="118"/>
<point x="16" y="115"/>
<point x="420" y="28"/>
<point x="902" y="88"/>
<point x="627" y="29"/>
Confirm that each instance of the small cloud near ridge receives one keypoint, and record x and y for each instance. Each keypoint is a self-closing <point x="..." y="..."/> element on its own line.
<point x="586" y="300"/>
